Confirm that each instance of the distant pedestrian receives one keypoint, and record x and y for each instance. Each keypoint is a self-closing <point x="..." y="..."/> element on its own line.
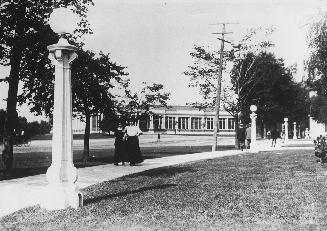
<point x="158" y="138"/>
<point x="248" y="136"/>
<point x="307" y="133"/>
<point x="274" y="136"/>
<point x="241" y="137"/>
<point x="120" y="154"/>
<point x="133" y="146"/>
<point x="269" y="134"/>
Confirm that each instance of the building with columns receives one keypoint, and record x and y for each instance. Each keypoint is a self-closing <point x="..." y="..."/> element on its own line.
<point x="187" y="120"/>
<point x="172" y="120"/>
<point x="79" y="125"/>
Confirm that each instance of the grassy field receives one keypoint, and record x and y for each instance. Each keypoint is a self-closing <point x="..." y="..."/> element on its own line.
<point x="76" y="136"/>
<point x="282" y="190"/>
<point x="34" y="163"/>
<point x="36" y="158"/>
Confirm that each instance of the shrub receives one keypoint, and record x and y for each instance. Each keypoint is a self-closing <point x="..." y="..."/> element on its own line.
<point x="321" y="149"/>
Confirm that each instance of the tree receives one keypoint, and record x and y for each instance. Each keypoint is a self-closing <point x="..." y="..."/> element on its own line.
<point x="256" y="77"/>
<point x="36" y="128"/>
<point x="317" y="69"/>
<point x="109" y="121"/>
<point x="2" y="122"/>
<point x="24" y="36"/>
<point x="272" y="88"/>
<point x="139" y="104"/>
<point x="203" y="74"/>
<point x="93" y="78"/>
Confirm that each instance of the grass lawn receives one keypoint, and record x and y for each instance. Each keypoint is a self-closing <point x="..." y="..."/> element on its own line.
<point x="282" y="190"/>
<point x="76" y="136"/>
<point x="34" y="163"/>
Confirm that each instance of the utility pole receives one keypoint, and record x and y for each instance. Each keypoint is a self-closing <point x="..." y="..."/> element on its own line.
<point x="220" y="73"/>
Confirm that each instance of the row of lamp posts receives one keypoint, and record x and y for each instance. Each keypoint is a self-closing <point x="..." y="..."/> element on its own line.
<point x="286" y="130"/>
<point x="253" y="116"/>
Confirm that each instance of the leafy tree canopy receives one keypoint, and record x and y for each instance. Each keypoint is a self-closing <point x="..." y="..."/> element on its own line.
<point x="24" y="37"/>
<point x="317" y="69"/>
<point x="134" y="105"/>
<point x="138" y="103"/>
<point x="256" y="76"/>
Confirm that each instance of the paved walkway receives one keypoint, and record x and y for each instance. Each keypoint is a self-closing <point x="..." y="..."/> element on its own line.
<point x="24" y="192"/>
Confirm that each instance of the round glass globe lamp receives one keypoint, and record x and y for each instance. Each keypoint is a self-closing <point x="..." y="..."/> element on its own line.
<point x="253" y="108"/>
<point x="63" y="21"/>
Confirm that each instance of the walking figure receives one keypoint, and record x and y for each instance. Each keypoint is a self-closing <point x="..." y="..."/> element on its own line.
<point x="120" y="154"/>
<point x="158" y="138"/>
<point x="133" y="147"/>
<point x="274" y="136"/>
<point x="269" y="134"/>
<point x="241" y="137"/>
<point x="248" y="136"/>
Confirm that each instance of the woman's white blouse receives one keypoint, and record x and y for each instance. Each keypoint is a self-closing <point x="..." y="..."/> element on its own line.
<point x="133" y="130"/>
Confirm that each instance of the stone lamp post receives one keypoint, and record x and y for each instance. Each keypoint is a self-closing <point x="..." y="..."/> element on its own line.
<point x="62" y="191"/>
<point x="253" y="116"/>
<point x="286" y="130"/>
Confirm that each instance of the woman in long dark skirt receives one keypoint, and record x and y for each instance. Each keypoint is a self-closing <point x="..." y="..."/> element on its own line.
<point x="133" y="146"/>
<point x="241" y="137"/>
<point x="120" y="154"/>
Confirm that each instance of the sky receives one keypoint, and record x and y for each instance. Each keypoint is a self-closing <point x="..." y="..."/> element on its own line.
<point x="153" y="38"/>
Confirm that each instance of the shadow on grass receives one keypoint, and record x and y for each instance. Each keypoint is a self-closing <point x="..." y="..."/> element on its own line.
<point x="163" y="172"/>
<point x="125" y="193"/>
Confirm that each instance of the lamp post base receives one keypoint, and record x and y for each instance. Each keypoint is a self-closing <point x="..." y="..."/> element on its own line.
<point x="61" y="196"/>
<point x="61" y="191"/>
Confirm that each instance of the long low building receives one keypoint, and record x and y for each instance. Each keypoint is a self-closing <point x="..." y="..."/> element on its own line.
<point x="79" y="125"/>
<point x="187" y="120"/>
<point x="173" y="120"/>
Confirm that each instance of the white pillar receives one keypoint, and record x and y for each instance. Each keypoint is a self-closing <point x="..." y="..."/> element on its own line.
<point x="253" y="146"/>
<point x="176" y="124"/>
<point x="151" y="129"/>
<point x="151" y="122"/>
<point x="203" y="123"/>
<point x="286" y="130"/>
<point x="163" y="122"/>
<point x="294" y="131"/>
<point x="253" y="116"/>
<point x="189" y="123"/>
<point x="61" y="191"/>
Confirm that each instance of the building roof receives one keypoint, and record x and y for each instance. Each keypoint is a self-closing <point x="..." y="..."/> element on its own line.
<point x="182" y="108"/>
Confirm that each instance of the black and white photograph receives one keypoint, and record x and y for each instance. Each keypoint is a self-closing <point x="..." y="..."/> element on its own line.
<point x="163" y="115"/>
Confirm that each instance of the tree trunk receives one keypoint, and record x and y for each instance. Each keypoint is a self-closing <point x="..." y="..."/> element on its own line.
<point x="236" y="132"/>
<point x="86" y="151"/>
<point x="262" y="129"/>
<point x="11" y="115"/>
